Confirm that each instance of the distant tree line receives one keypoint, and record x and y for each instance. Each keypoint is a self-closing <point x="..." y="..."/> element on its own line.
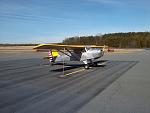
<point x="119" y="40"/>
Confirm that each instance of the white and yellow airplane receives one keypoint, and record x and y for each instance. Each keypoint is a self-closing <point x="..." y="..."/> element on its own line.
<point x="86" y="54"/>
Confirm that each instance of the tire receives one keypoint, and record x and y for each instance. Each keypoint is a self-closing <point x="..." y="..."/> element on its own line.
<point x="86" y="66"/>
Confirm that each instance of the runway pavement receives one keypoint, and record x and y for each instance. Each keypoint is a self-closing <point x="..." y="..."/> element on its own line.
<point x="29" y="85"/>
<point x="130" y="93"/>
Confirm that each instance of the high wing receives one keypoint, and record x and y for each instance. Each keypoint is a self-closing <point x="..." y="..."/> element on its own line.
<point x="71" y="47"/>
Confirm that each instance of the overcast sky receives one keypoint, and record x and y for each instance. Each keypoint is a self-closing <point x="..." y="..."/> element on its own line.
<point x="49" y="21"/>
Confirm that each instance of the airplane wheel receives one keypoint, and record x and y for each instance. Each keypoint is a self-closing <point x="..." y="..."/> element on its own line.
<point x="86" y="66"/>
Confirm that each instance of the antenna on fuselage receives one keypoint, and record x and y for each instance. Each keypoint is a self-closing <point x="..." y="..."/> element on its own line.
<point x="63" y="63"/>
<point x="63" y="66"/>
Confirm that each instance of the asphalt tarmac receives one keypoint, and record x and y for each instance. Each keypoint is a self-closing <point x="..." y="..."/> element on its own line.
<point x="130" y="93"/>
<point x="28" y="84"/>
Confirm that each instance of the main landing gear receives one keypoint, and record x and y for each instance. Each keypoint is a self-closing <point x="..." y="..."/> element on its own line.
<point x="86" y="66"/>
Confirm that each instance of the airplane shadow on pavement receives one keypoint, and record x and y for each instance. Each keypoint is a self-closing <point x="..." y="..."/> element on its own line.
<point x="74" y="66"/>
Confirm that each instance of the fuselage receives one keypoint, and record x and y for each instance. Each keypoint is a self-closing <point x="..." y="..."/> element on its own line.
<point x="92" y="53"/>
<point x="88" y="56"/>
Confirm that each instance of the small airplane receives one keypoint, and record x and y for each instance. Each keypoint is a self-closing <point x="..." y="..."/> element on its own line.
<point x="85" y="53"/>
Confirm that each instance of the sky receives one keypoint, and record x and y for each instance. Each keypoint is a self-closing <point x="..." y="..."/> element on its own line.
<point x="51" y="21"/>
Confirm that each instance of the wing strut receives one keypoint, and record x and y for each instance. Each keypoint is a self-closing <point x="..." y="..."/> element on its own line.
<point x="72" y="54"/>
<point x="63" y="52"/>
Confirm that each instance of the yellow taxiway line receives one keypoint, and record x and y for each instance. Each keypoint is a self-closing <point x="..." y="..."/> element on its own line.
<point x="74" y="72"/>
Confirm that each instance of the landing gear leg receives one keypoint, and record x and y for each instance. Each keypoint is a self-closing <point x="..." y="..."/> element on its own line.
<point x="87" y="64"/>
